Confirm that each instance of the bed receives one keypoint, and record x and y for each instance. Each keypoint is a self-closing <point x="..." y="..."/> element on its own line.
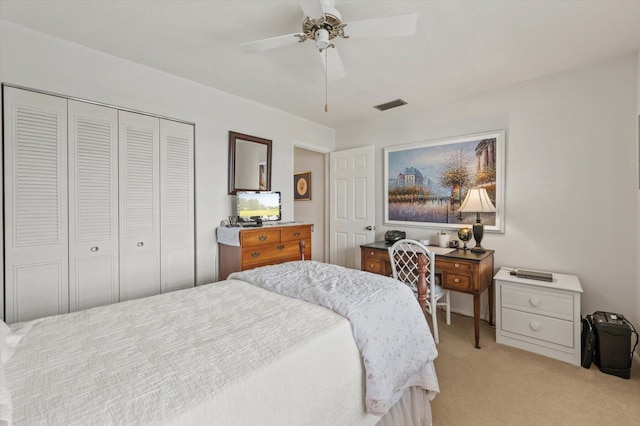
<point x="234" y="352"/>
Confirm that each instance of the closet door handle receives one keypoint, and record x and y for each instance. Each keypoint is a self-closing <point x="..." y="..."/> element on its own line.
<point x="94" y="249"/>
<point x="140" y="244"/>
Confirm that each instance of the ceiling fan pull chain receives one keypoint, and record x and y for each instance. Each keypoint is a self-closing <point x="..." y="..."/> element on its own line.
<point x="326" y="84"/>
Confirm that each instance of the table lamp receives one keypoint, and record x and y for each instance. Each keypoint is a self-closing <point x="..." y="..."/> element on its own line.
<point x="477" y="201"/>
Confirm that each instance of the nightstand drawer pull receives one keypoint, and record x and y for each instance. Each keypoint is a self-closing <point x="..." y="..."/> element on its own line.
<point x="456" y="280"/>
<point x="372" y="265"/>
<point x="535" y="325"/>
<point x="280" y="247"/>
<point x="94" y="249"/>
<point x="534" y="301"/>
<point x="457" y="265"/>
<point x="255" y="254"/>
<point x="296" y="234"/>
<point x="371" y="254"/>
<point x="140" y="244"/>
<point x="262" y="237"/>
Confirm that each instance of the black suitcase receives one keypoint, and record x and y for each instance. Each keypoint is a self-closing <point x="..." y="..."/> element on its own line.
<point x="613" y="351"/>
<point x="588" y="341"/>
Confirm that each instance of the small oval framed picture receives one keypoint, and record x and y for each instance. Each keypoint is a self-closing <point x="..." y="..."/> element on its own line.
<point x="302" y="186"/>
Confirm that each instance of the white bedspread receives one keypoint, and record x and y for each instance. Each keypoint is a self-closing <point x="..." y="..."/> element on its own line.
<point x="227" y="353"/>
<point x="388" y="325"/>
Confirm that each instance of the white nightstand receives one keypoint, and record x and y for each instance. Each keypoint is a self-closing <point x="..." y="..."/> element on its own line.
<point x="539" y="316"/>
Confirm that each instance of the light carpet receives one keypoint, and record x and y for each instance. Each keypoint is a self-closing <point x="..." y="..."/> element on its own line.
<point x="501" y="385"/>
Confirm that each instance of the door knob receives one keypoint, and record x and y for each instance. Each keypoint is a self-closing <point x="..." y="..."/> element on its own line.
<point x="370" y="228"/>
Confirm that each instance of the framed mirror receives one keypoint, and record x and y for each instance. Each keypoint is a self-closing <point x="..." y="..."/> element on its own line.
<point x="249" y="163"/>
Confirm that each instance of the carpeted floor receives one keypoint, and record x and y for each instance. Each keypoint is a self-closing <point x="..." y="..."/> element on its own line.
<point x="501" y="385"/>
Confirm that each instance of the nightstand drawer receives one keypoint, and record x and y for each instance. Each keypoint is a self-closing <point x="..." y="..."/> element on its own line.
<point x="538" y="327"/>
<point x="557" y="305"/>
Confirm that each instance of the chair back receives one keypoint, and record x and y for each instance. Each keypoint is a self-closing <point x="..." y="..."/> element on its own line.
<point x="403" y="255"/>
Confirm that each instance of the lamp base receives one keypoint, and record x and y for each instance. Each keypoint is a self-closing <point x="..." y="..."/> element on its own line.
<point x="478" y="249"/>
<point x="478" y="232"/>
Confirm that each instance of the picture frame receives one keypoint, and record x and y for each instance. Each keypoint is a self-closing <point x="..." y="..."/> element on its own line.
<point x="302" y="186"/>
<point x="425" y="182"/>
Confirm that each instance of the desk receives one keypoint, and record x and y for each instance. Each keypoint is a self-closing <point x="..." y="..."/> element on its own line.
<point x="462" y="271"/>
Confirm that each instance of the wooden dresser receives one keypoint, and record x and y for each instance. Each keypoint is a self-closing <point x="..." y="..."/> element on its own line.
<point x="462" y="271"/>
<point x="267" y="245"/>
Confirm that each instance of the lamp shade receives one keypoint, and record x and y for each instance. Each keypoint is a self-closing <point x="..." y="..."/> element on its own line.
<point x="477" y="201"/>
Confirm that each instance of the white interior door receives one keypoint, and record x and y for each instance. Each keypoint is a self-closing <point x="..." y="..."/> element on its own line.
<point x="176" y="217"/>
<point x="35" y="205"/>
<point x="93" y="205"/>
<point x="352" y="210"/>
<point x="139" y="205"/>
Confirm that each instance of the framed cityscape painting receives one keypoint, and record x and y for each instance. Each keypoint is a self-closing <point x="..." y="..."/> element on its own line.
<point x="425" y="182"/>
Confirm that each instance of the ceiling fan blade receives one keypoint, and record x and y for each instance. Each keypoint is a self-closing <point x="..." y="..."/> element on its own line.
<point x="312" y="8"/>
<point x="392" y="26"/>
<point x="333" y="64"/>
<point x="269" y="43"/>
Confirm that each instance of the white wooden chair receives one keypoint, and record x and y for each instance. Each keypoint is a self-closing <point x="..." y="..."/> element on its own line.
<point x="404" y="264"/>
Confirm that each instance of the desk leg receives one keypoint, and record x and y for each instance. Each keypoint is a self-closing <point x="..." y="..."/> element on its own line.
<point x="476" y="318"/>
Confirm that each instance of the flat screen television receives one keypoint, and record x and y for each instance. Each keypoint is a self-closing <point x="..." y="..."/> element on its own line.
<point x="258" y="206"/>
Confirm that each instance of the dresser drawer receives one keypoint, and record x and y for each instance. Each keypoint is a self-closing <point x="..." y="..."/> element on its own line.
<point x="269" y="252"/>
<point x="295" y="233"/>
<point x="453" y="266"/>
<point x="380" y="255"/>
<point x="374" y="265"/>
<point x="538" y="327"/>
<point x="456" y="281"/>
<point x="557" y="305"/>
<point x="259" y="237"/>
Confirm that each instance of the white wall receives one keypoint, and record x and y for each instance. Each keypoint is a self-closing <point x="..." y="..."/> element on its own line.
<point x="571" y="173"/>
<point x="637" y="319"/>
<point x="38" y="61"/>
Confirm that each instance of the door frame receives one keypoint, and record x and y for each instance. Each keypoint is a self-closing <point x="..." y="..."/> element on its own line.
<point x="325" y="186"/>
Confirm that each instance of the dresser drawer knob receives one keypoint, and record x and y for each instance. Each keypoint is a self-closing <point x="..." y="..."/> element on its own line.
<point x="262" y="237"/>
<point x="280" y="247"/>
<point x="371" y="266"/>
<point x="371" y="254"/>
<point x="534" y="325"/>
<point x="255" y="254"/>
<point x="456" y="280"/>
<point x="296" y="234"/>
<point x="534" y="301"/>
<point x="457" y="265"/>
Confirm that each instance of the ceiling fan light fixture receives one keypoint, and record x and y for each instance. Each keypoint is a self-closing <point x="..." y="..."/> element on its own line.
<point x="322" y="39"/>
<point x="392" y="104"/>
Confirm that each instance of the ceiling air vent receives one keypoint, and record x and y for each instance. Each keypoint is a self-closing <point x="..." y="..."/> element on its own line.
<point x="389" y="105"/>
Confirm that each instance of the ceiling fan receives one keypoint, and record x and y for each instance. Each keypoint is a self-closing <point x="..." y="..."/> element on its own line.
<point x="322" y="23"/>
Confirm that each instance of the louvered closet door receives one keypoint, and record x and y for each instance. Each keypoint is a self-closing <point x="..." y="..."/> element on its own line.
<point x="177" y="218"/>
<point x="139" y="147"/>
<point x="35" y="205"/>
<point x="93" y="206"/>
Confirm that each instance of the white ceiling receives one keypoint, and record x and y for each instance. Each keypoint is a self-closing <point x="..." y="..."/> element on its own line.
<point x="460" y="47"/>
